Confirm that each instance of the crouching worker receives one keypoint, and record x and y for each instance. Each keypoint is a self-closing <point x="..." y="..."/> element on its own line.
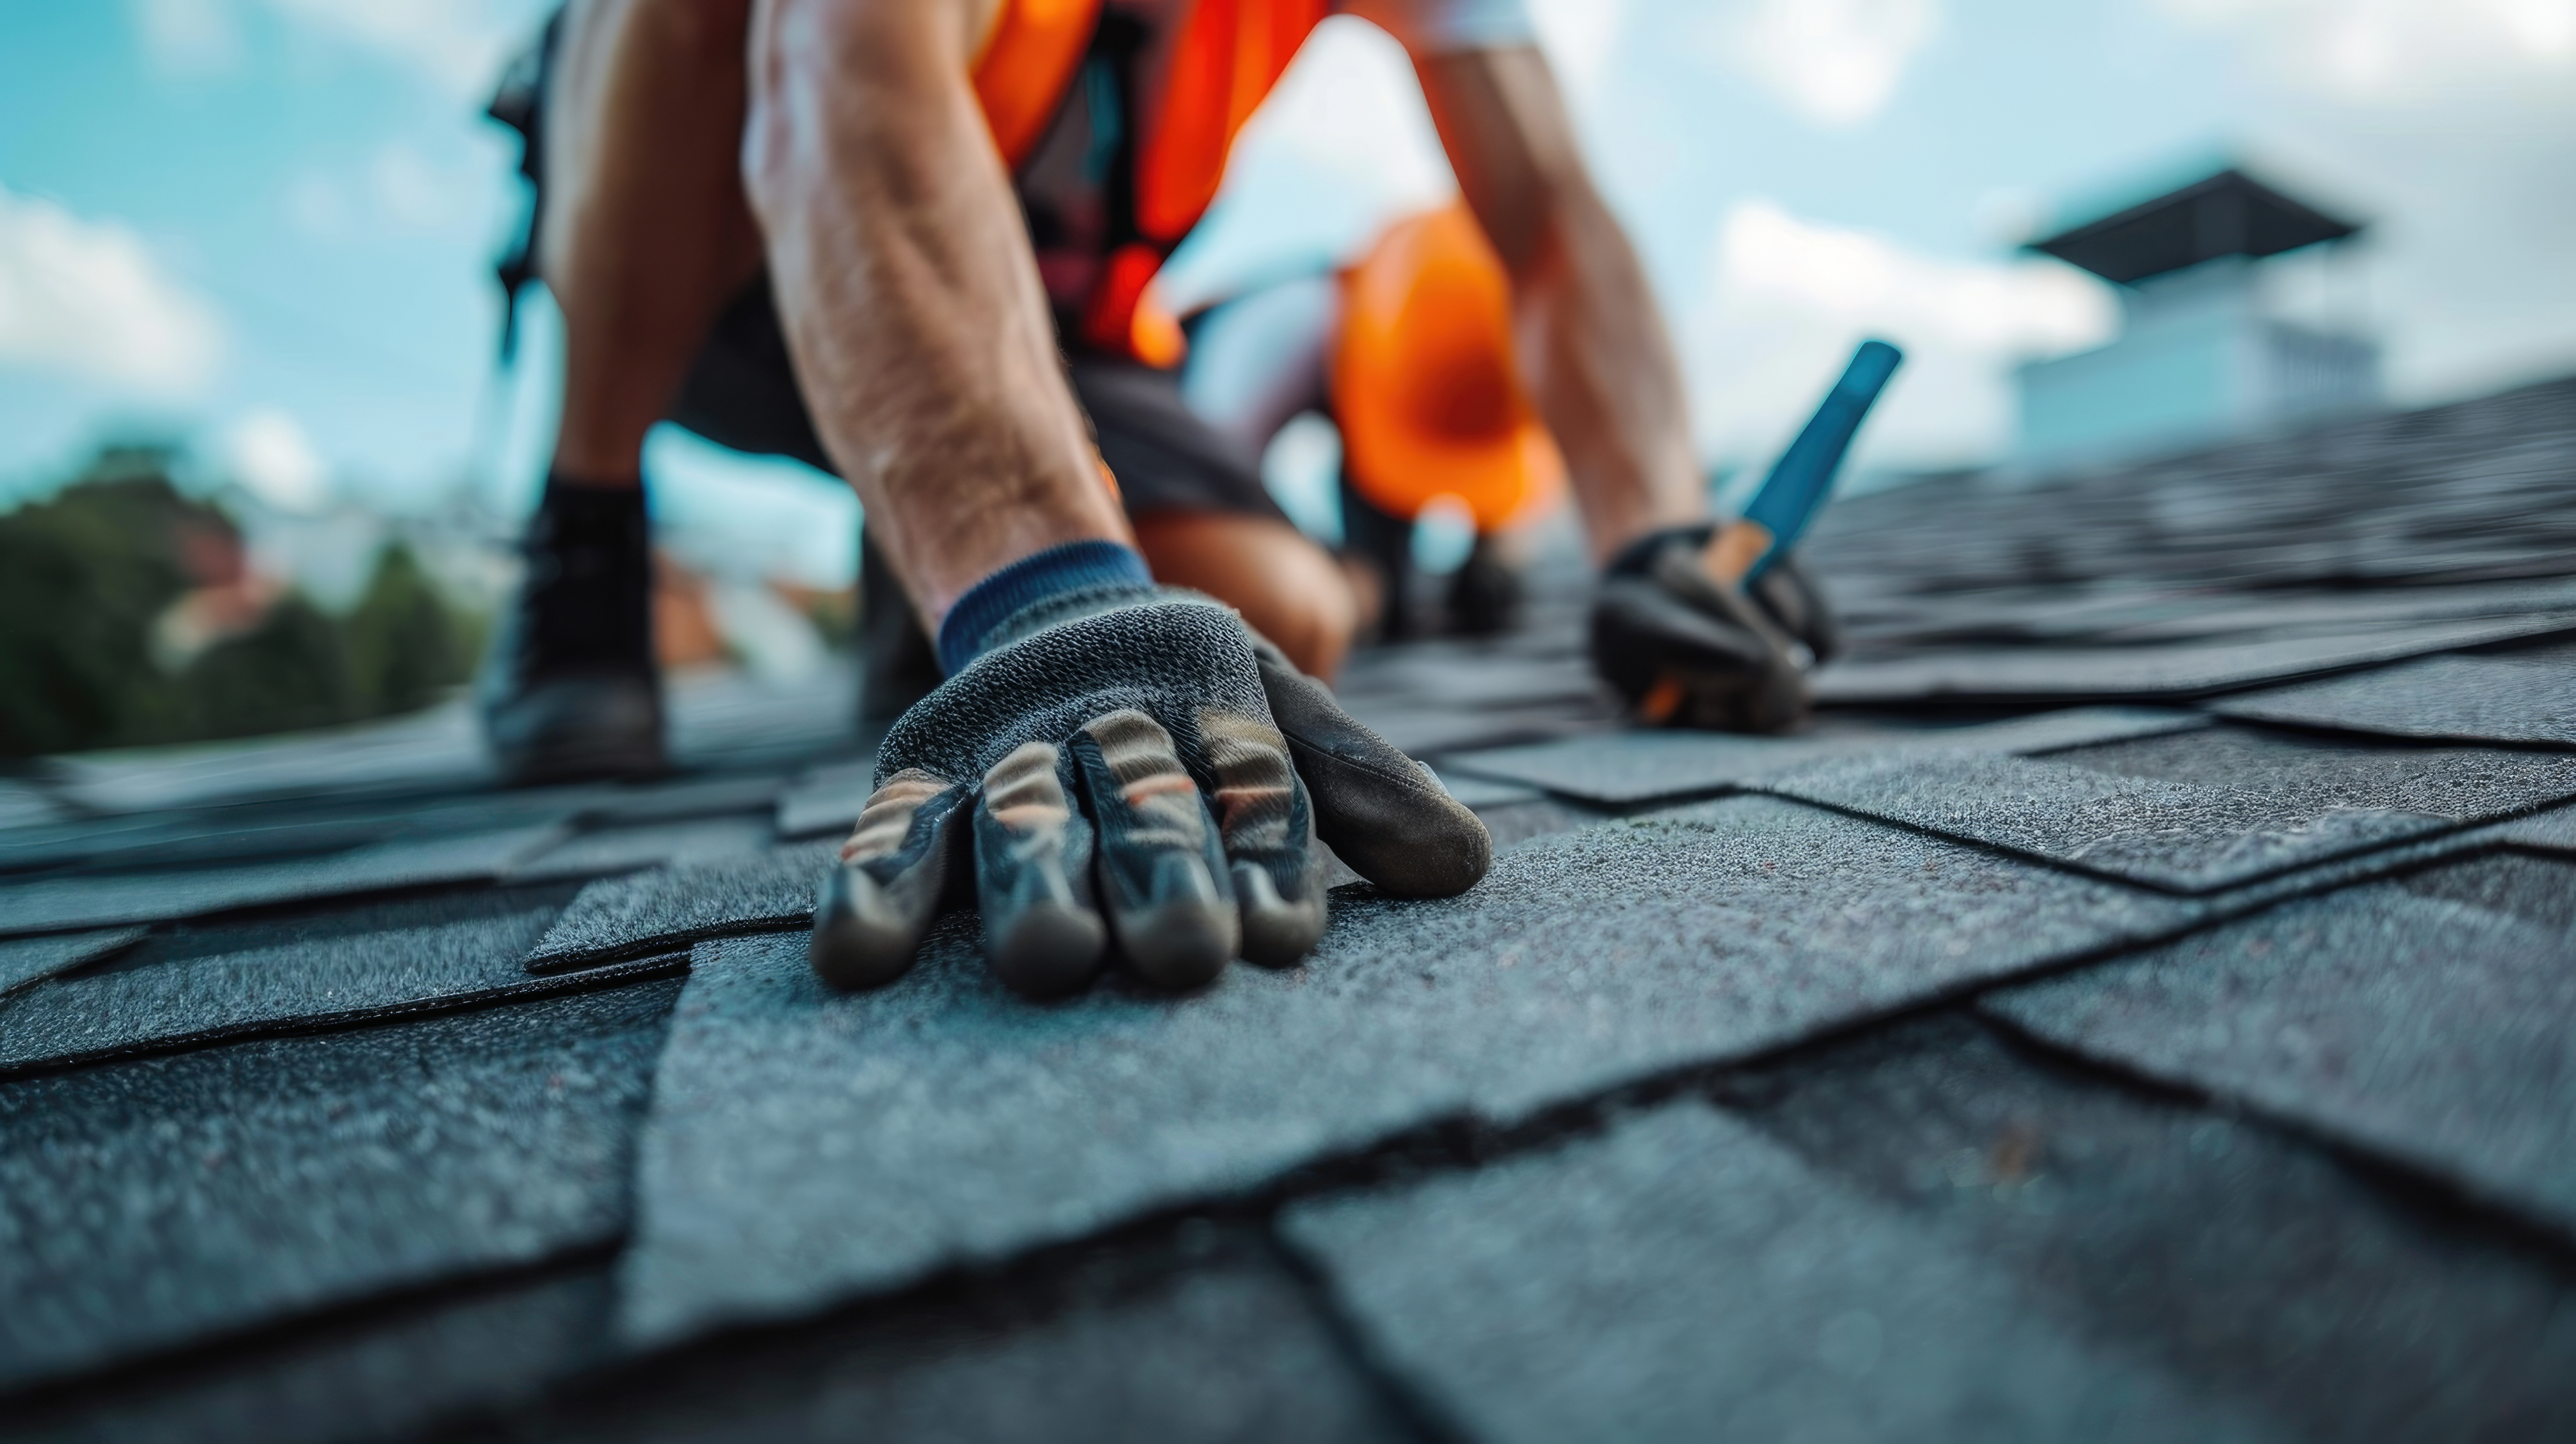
<point x="942" y="219"/>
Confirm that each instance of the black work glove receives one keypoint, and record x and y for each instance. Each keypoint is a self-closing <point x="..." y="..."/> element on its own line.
<point x="1139" y="776"/>
<point x="1685" y="650"/>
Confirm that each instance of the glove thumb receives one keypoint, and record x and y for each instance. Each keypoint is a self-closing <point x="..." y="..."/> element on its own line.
<point x="1379" y="810"/>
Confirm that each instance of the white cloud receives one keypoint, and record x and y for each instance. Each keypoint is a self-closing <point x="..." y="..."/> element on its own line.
<point x="1835" y="62"/>
<point x="268" y="452"/>
<point x="1768" y="257"/>
<point x="188" y="37"/>
<point x="1789" y="298"/>
<point x="459" y="44"/>
<point x="2398" y="50"/>
<point x="87" y="297"/>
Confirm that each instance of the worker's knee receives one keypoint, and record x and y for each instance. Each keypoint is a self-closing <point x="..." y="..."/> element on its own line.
<point x="1288" y="588"/>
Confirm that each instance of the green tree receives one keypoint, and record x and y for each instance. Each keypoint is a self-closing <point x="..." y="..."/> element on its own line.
<point x="405" y="643"/>
<point x="83" y="576"/>
<point x="289" y="673"/>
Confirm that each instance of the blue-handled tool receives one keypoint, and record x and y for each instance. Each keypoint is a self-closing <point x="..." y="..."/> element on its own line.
<point x="1804" y="475"/>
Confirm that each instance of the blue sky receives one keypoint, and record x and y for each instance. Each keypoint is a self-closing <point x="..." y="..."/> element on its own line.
<point x="265" y="226"/>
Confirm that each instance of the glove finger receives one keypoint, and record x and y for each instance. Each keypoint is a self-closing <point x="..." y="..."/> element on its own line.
<point x="1266" y="825"/>
<point x="1033" y="875"/>
<point x="1639" y="629"/>
<point x="1679" y="665"/>
<point x="893" y="872"/>
<point x="1162" y="881"/>
<point x="1794" y="601"/>
<point x="1379" y="810"/>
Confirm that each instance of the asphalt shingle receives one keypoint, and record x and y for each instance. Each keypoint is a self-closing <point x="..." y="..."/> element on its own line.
<point x="59" y="903"/>
<point x="2463" y="784"/>
<point x="2429" y="1032"/>
<point x="1219" y="1343"/>
<point x="395" y="1372"/>
<point x="434" y="954"/>
<point x="2242" y="1260"/>
<point x="2509" y="698"/>
<point x="24" y="961"/>
<point x="2174" y="835"/>
<point x="1683" y="1277"/>
<point x="151" y="1203"/>
<point x="672" y="907"/>
<point x="2145" y="673"/>
<point x="1623" y="769"/>
<point x="960" y="1123"/>
<point x="607" y="851"/>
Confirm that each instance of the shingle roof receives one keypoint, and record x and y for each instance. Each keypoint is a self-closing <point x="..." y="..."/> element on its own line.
<point x="2099" y="1024"/>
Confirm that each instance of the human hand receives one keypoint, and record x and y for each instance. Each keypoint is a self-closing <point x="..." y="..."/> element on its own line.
<point x="1688" y="648"/>
<point x="1146" y="779"/>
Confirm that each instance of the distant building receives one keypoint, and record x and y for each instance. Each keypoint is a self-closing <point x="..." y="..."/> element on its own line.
<point x="2204" y="351"/>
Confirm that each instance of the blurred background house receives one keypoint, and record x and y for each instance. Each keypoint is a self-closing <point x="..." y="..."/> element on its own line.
<point x="2210" y="344"/>
<point x="245" y="252"/>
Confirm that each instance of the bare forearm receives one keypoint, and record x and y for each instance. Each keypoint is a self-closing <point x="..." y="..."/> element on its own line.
<point x="913" y="308"/>
<point x="1592" y="342"/>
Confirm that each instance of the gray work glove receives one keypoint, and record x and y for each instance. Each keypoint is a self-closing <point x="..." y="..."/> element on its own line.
<point x="1686" y="650"/>
<point x="1138" y="775"/>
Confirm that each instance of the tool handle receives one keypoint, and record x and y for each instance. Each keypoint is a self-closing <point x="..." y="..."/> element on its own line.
<point x="1804" y="475"/>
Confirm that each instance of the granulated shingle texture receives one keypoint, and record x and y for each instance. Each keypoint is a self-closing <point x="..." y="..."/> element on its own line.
<point x="53" y="904"/>
<point x="691" y="843"/>
<point x="673" y="907"/>
<point x="2478" y="698"/>
<point x="2152" y="672"/>
<point x="1626" y="768"/>
<point x="425" y="955"/>
<point x="390" y="1374"/>
<point x="1481" y="792"/>
<point x="2165" y="834"/>
<point x="1221" y="1343"/>
<point x="2241" y="1260"/>
<point x="806" y="1145"/>
<point x="1622" y="768"/>
<point x="1685" y="1278"/>
<point x="2554" y="831"/>
<point x="826" y="799"/>
<point x="2538" y="890"/>
<point x="2463" y="784"/>
<point x="2429" y="1032"/>
<point x="32" y="960"/>
<point x="150" y="1203"/>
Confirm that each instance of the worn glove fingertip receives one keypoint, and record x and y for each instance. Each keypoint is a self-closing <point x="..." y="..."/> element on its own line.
<point x="1185" y="936"/>
<point x="1276" y="932"/>
<point x="1047" y="950"/>
<point x="864" y="937"/>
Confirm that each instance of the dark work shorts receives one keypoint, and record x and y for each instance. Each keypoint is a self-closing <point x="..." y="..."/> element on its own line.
<point x="741" y="392"/>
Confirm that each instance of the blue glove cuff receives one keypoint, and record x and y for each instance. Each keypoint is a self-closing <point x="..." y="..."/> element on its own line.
<point x="1057" y="572"/>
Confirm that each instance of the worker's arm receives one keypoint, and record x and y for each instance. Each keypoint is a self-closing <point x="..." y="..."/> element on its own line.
<point x="910" y="294"/>
<point x="1592" y="344"/>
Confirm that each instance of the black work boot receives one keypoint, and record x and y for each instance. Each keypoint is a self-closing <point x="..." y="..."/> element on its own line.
<point x="570" y="690"/>
<point x="1484" y="593"/>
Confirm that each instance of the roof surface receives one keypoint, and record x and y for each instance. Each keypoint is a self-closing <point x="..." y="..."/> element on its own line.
<point x="2138" y="1008"/>
<point x="2227" y="214"/>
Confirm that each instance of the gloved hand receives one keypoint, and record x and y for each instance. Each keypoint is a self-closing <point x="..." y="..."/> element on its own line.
<point x="1688" y="650"/>
<point x="1140" y="776"/>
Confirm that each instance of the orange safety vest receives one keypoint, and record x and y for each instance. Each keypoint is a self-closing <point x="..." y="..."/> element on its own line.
<point x="1229" y="55"/>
